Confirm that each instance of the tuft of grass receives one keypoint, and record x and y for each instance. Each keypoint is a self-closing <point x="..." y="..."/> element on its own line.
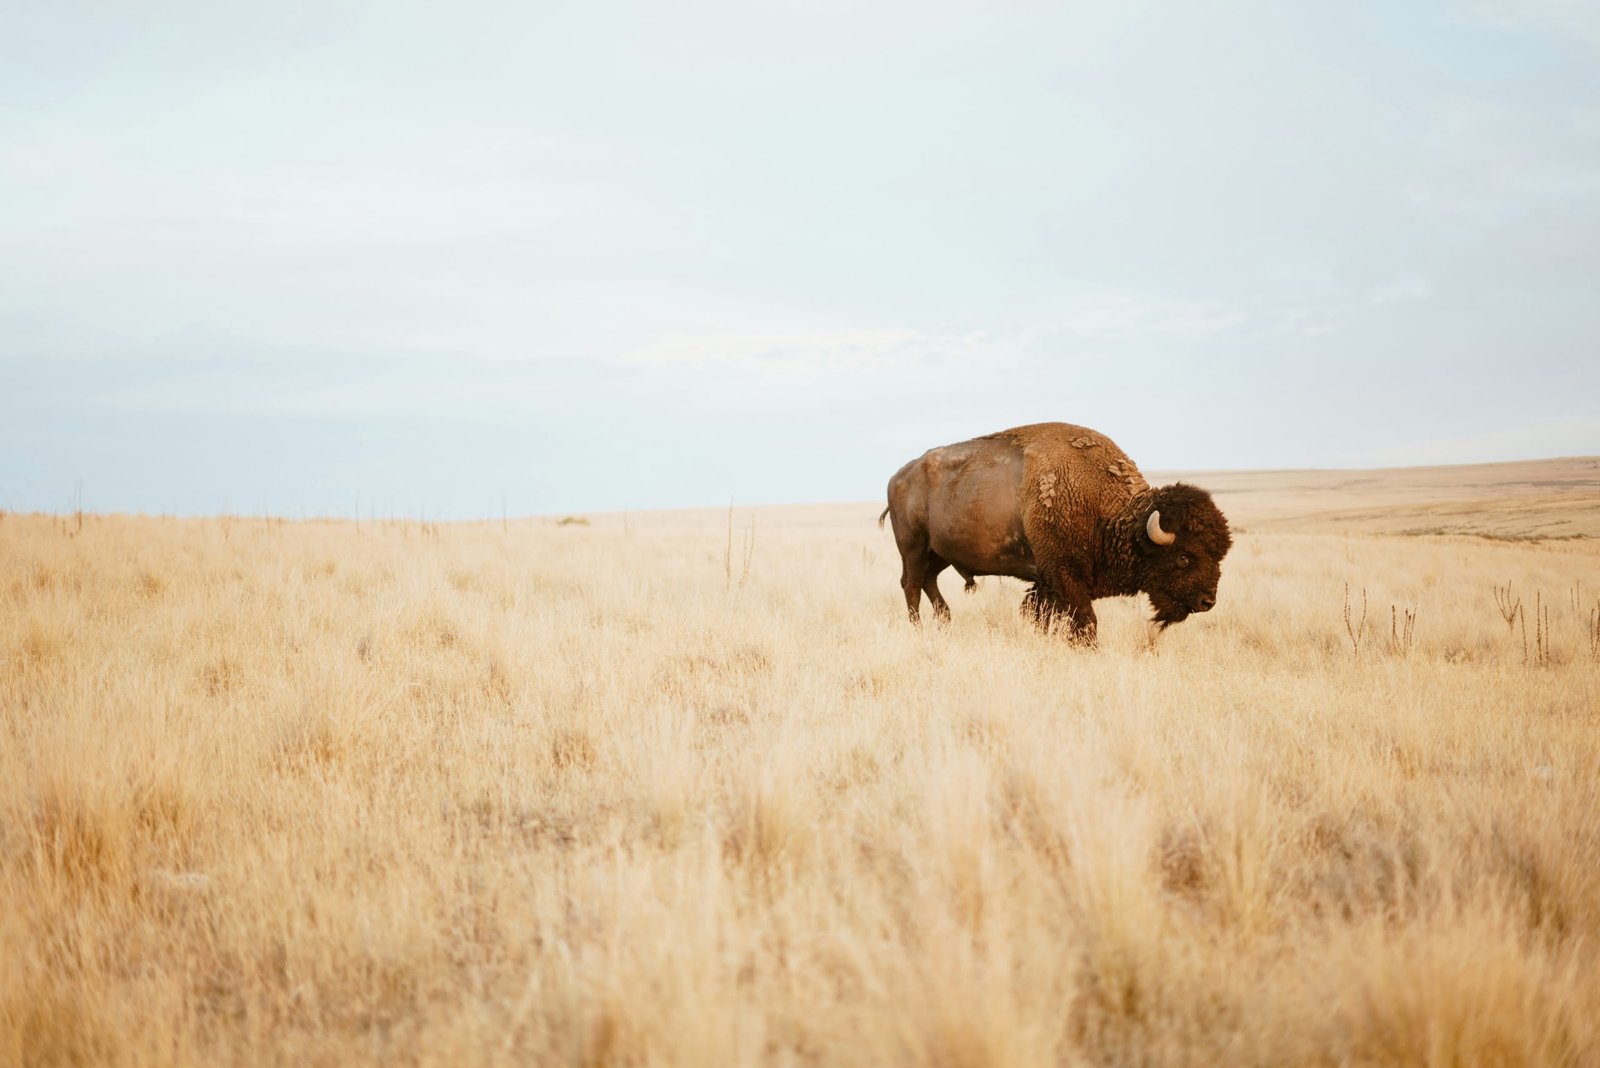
<point x="150" y="585"/>
<point x="44" y="643"/>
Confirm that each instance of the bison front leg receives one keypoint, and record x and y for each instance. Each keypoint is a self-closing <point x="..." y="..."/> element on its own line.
<point x="1064" y="604"/>
<point x="1082" y="626"/>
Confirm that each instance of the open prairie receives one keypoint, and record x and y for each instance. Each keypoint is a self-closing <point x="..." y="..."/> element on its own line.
<point x="684" y="789"/>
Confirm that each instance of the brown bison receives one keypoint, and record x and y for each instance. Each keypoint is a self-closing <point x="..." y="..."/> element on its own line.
<point x="1062" y="507"/>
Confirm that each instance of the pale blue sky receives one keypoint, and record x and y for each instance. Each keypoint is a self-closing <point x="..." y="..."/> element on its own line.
<point x="602" y="256"/>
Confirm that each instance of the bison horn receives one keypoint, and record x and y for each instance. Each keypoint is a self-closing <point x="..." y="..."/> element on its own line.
<point x="1153" y="528"/>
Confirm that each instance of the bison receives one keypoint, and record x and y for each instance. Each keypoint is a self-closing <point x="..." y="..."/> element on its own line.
<point x="1063" y="508"/>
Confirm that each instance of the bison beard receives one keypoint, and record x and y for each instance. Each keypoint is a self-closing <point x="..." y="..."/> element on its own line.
<point x="1063" y="508"/>
<point x="1168" y="611"/>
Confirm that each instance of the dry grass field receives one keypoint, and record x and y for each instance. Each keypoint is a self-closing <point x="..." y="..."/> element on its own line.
<point x="631" y="791"/>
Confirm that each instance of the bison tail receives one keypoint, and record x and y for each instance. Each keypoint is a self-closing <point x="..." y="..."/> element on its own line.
<point x="882" y="514"/>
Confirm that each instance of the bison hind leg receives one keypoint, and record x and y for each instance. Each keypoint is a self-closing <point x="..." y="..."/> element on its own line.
<point x="930" y="586"/>
<point x="912" y="588"/>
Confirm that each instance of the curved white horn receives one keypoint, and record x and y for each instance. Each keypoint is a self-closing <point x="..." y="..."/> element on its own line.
<point x="1152" y="527"/>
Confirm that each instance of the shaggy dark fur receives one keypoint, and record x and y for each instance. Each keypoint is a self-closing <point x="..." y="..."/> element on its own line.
<point x="1062" y="507"/>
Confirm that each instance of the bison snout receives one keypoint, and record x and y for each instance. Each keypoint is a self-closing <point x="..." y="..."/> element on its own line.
<point x="1206" y="602"/>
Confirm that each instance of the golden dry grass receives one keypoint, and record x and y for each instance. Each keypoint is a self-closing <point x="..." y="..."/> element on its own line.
<point x="530" y="793"/>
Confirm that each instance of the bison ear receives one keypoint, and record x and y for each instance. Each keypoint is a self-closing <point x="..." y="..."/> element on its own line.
<point x="1152" y="527"/>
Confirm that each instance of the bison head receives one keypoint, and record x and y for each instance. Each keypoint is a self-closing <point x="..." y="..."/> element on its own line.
<point x="1181" y="542"/>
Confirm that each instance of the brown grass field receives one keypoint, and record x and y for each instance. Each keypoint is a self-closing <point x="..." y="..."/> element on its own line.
<point x="636" y="791"/>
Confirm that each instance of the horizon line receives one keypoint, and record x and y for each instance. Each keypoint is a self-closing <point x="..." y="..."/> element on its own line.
<point x="569" y="513"/>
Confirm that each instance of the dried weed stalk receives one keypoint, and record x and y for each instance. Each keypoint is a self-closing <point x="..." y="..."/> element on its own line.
<point x="1355" y="630"/>
<point x="1402" y="631"/>
<point x="1508" y="607"/>
<point x="1541" y="631"/>
<point x="748" y="550"/>
<point x="1539" y="654"/>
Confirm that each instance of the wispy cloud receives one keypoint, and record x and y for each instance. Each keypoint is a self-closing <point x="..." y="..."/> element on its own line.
<point x="822" y="352"/>
<point x="1100" y="317"/>
<point x="1577" y="20"/>
<point x="1407" y="287"/>
<point x="340" y="386"/>
<point x="1134" y="315"/>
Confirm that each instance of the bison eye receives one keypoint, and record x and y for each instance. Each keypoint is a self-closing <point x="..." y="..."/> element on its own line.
<point x="1183" y="559"/>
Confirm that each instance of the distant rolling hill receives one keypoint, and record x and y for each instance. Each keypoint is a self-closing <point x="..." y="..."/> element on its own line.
<point x="1522" y="500"/>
